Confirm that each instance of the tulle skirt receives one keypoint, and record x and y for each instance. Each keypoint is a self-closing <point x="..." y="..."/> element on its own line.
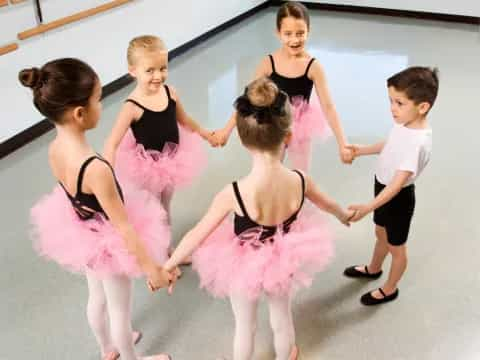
<point x="245" y="265"/>
<point x="308" y="122"/>
<point x="95" y="245"/>
<point x="176" y="166"/>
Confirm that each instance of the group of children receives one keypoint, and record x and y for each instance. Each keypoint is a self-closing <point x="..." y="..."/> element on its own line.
<point x="113" y="230"/>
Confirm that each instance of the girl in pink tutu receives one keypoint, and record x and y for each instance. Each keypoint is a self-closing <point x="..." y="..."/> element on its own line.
<point x="276" y="242"/>
<point x="89" y="224"/>
<point x="154" y="142"/>
<point x="302" y="77"/>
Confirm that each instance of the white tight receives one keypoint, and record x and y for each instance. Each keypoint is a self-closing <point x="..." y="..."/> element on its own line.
<point x="165" y="198"/>
<point x="281" y="320"/>
<point x="110" y="299"/>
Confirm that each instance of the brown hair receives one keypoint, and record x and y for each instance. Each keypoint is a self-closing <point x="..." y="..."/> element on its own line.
<point x="420" y="84"/>
<point x="145" y="43"/>
<point x="293" y="9"/>
<point x="263" y="115"/>
<point x="59" y="85"/>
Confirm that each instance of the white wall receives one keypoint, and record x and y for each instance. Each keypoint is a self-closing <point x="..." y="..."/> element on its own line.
<point x="100" y="40"/>
<point x="457" y="7"/>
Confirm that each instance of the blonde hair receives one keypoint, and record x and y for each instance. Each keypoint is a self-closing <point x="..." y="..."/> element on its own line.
<point x="144" y="43"/>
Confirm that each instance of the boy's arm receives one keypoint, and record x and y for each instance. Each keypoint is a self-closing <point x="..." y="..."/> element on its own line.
<point x="360" y="150"/>
<point x="393" y="188"/>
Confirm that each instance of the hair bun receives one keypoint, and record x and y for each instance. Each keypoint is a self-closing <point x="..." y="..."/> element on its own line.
<point x="435" y="74"/>
<point x="30" y="77"/>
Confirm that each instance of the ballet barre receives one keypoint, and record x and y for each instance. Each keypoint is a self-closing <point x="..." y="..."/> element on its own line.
<point x="8" y="48"/>
<point x="17" y="1"/>
<point x="42" y="28"/>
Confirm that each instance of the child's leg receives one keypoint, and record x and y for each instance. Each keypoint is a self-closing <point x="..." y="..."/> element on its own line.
<point x="300" y="156"/>
<point x="245" y="312"/>
<point x="118" y="291"/>
<point x="398" y="267"/>
<point x="381" y="250"/>
<point x="379" y="253"/>
<point x="282" y="325"/>
<point x="97" y="314"/>
<point x="166" y="199"/>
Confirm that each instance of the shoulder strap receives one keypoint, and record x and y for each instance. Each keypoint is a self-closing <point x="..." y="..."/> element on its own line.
<point x="303" y="187"/>
<point x="136" y="103"/>
<point x="167" y="90"/>
<point x="239" y="199"/>
<point x="66" y="192"/>
<point x="271" y="61"/>
<point x="308" y="66"/>
<point x="81" y="173"/>
<point x="99" y="157"/>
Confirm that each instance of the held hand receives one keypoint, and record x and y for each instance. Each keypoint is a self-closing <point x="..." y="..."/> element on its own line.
<point x="346" y="154"/>
<point x="346" y="216"/>
<point x="158" y="278"/>
<point x="219" y="137"/>
<point x="175" y="275"/>
<point x="360" y="211"/>
<point x="206" y="135"/>
<point x="209" y="136"/>
<point x="355" y="149"/>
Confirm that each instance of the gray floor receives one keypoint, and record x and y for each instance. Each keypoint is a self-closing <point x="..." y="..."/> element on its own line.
<point x="436" y="317"/>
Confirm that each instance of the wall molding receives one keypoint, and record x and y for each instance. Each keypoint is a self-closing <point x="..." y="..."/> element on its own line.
<point x="44" y="126"/>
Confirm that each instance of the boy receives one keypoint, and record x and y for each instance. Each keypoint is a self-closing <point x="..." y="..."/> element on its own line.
<point x="403" y="156"/>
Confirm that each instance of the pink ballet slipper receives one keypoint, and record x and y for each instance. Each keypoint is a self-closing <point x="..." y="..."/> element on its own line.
<point x="158" y="357"/>
<point x="294" y="354"/>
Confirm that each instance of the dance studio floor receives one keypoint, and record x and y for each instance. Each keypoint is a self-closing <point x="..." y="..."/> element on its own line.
<point x="437" y="314"/>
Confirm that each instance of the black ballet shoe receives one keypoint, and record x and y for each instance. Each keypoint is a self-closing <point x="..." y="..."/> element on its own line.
<point x="368" y="300"/>
<point x="354" y="273"/>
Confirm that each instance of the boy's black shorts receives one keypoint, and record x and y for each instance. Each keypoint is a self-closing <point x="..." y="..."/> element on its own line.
<point x="396" y="215"/>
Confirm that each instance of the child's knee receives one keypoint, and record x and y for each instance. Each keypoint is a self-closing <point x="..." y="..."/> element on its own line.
<point x="398" y="251"/>
<point x="246" y="330"/>
<point x="380" y="232"/>
<point x="97" y="302"/>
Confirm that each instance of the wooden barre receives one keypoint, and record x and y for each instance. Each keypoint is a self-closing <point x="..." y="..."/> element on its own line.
<point x="70" y="19"/>
<point x="8" y="48"/>
<point x="17" y="1"/>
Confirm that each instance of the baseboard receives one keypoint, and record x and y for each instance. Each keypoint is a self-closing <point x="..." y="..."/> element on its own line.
<point x="44" y="126"/>
<point x="473" y="20"/>
<point x="40" y="128"/>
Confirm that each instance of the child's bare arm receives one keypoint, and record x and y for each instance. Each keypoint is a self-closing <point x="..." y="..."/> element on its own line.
<point x="393" y="188"/>
<point x="361" y="150"/>
<point x="125" y="117"/>
<point x="326" y="203"/>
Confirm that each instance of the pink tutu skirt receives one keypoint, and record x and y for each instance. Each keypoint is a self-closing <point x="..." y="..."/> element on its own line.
<point x="152" y="170"/>
<point x="308" y="121"/>
<point x="94" y="245"/>
<point x="243" y="265"/>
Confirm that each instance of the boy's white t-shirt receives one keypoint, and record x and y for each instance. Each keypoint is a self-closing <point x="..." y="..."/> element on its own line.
<point x="405" y="149"/>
